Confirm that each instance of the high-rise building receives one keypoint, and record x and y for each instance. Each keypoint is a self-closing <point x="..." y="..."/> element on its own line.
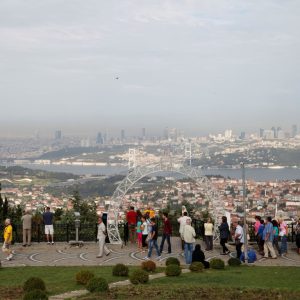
<point x="274" y="132"/>
<point x="57" y="135"/>
<point x="228" y="134"/>
<point x="243" y="135"/>
<point x="99" y="139"/>
<point x="143" y="133"/>
<point x="123" y="135"/>
<point x="261" y="132"/>
<point x="294" y="130"/>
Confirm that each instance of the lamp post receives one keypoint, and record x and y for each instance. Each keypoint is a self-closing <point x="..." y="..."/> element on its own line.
<point x="245" y="218"/>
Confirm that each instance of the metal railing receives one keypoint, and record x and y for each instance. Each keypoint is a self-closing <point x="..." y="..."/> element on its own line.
<point x="64" y="232"/>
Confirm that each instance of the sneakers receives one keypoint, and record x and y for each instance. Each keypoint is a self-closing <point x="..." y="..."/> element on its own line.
<point x="108" y="253"/>
<point x="52" y="243"/>
<point x="146" y="258"/>
<point x="227" y="252"/>
<point x="99" y="256"/>
<point x="158" y="257"/>
<point x="9" y="257"/>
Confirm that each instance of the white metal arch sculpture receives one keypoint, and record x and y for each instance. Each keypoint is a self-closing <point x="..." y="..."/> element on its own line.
<point x="139" y="172"/>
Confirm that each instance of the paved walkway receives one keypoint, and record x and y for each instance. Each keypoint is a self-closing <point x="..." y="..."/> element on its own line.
<point x="61" y="254"/>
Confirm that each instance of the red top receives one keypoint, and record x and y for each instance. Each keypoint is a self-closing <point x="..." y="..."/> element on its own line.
<point x="131" y="217"/>
<point x="167" y="227"/>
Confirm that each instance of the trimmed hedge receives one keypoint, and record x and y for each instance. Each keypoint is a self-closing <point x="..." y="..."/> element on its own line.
<point x="97" y="284"/>
<point x="148" y="266"/>
<point x="84" y="276"/>
<point x="217" y="263"/>
<point x="197" y="266"/>
<point x="120" y="270"/>
<point x="34" y="283"/>
<point x="139" y="277"/>
<point x="35" y="295"/>
<point x="173" y="270"/>
<point x="234" y="262"/>
<point x="172" y="261"/>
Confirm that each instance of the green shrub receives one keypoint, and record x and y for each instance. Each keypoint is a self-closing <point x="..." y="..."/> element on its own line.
<point x="217" y="263"/>
<point x="234" y="262"/>
<point x="83" y="276"/>
<point x="34" y="283"/>
<point x="120" y="270"/>
<point x="139" y="276"/>
<point x="197" y="266"/>
<point x="173" y="270"/>
<point x="149" y="266"/>
<point x="172" y="261"/>
<point x="97" y="284"/>
<point x="35" y="295"/>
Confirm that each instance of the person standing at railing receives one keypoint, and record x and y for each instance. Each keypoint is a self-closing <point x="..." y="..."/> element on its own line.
<point x="297" y="232"/>
<point x="224" y="235"/>
<point x="276" y="236"/>
<point x="283" y="231"/>
<point x="48" y="221"/>
<point x="167" y="232"/>
<point x="268" y="236"/>
<point x="7" y="238"/>
<point x="188" y="235"/>
<point x="182" y="222"/>
<point x="26" y="222"/>
<point x="208" y="234"/>
<point x="131" y="217"/>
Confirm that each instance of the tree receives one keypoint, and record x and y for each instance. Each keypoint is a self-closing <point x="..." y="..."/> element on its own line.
<point x="86" y="209"/>
<point x="5" y="208"/>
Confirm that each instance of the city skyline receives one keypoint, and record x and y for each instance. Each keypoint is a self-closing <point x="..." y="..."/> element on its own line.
<point x="198" y="66"/>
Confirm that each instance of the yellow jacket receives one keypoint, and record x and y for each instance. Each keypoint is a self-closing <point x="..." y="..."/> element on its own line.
<point x="8" y="233"/>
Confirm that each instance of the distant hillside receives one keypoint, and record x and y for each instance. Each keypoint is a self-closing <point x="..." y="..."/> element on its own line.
<point x="13" y="171"/>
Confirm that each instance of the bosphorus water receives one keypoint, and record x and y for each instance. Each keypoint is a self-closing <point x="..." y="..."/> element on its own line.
<point x="257" y="174"/>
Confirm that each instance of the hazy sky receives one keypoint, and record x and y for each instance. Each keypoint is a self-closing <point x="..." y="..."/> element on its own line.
<point x="201" y="65"/>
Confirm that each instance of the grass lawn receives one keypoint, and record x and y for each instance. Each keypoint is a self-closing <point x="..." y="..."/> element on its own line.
<point x="58" y="279"/>
<point x="232" y="283"/>
<point x="283" y="282"/>
<point x="246" y="277"/>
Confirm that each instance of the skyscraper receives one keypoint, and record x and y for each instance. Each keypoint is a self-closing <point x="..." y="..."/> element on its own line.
<point x="123" y="135"/>
<point x="57" y="135"/>
<point x="261" y="132"/>
<point x="99" y="139"/>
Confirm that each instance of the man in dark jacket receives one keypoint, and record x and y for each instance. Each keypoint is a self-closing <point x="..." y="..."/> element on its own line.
<point x="167" y="232"/>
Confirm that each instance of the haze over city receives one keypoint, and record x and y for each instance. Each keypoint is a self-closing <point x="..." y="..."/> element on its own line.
<point x="202" y="66"/>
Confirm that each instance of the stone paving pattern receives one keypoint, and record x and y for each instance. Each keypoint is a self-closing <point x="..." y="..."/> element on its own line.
<point x="61" y="254"/>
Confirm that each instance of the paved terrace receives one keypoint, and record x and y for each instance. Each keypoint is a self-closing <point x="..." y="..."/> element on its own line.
<point x="61" y="254"/>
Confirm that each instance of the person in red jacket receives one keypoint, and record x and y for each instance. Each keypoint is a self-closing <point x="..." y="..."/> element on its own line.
<point x="167" y="232"/>
<point x="131" y="219"/>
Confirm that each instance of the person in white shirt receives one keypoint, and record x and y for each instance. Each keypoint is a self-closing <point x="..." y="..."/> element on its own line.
<point x="239" y="239"/>
<point x="208" y="234"/>
<point x="182" y="223"/>
<point x="188" y="235"/>
<point x="145" y="232"/>
<point x="101" y="237"/>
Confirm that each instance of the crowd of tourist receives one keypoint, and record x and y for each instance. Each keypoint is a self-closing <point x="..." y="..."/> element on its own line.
<point x="271" y="235"/>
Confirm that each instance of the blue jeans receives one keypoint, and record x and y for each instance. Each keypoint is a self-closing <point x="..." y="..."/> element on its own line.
<point x="153" y="243"/>
<point x="188" y="252"/>
<point x="168" y="238"/>
<point x="283" y="246"/>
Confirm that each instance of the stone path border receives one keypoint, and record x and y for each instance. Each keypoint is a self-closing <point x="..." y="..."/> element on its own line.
<point x="78" y="293"/>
